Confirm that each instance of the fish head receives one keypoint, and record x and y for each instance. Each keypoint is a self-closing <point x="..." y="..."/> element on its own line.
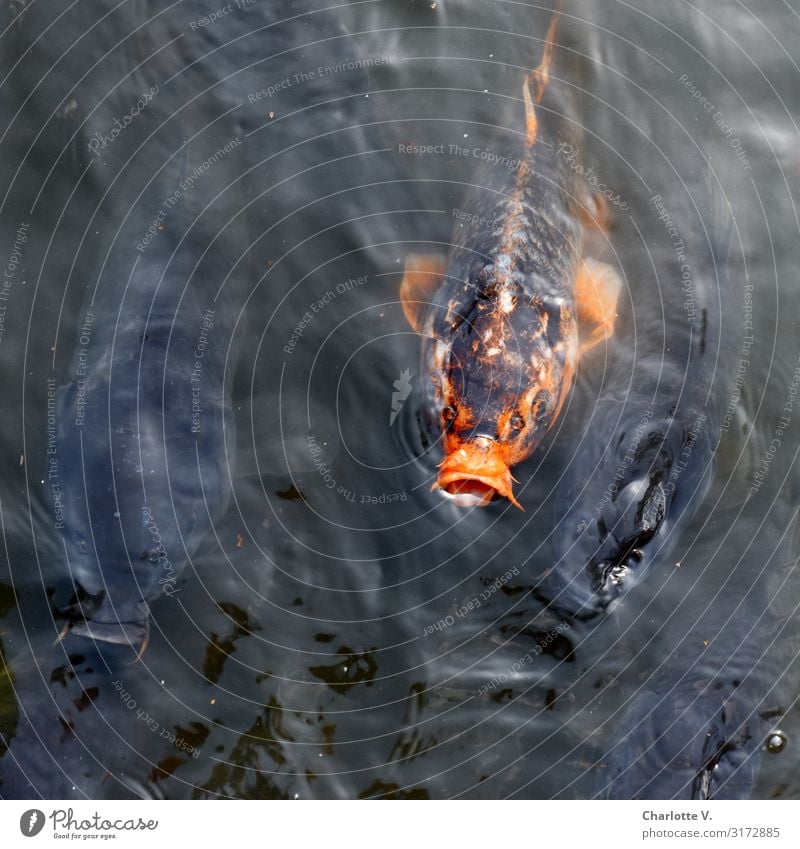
<point x="501" y="379"/>
<point x="630" y="486"/>
<point x="698" y="737"/>
<point x="120" y="554"/>
<point x="121" y="550"/>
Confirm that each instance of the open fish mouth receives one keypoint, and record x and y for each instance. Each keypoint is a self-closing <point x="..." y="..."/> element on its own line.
<point x="475" y="475"/>
<point x="96" y="618"/>
<point x="471" y="492"/>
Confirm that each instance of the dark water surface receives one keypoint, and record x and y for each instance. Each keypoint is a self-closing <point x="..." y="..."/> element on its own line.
<point x="337" y="629"/>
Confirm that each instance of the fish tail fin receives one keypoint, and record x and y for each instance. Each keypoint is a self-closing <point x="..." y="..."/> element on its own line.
<point x="540" y="76"/>
<point x="535" y="84"/>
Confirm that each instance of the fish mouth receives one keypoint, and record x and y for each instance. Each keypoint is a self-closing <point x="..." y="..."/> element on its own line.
<point x="475" y="474"/>
<point x="100" y="621"/>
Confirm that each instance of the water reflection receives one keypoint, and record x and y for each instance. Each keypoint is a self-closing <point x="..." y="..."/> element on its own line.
<point x="341" y="631"/>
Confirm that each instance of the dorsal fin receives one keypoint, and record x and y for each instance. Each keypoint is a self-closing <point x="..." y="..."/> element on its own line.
<point x="538" y="80"/>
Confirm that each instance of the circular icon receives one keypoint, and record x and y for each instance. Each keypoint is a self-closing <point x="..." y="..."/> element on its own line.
<point x="31" y="822"/>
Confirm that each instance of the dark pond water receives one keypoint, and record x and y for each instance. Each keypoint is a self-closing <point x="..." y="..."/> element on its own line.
<point x="327" y="626"/>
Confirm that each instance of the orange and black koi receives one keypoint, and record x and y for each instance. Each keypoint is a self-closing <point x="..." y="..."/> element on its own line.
<point x="499" y="316"/>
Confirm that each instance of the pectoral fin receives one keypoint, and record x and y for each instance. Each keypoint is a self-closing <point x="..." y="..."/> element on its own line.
<point x="597" y="289"/>
<point x="423" y="274"/>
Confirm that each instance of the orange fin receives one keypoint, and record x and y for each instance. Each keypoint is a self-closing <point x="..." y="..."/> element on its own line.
<point x="423" y="274"/>
<point x="597" y="289"/>
<point x="540" y="77"/>
<point x="531" y="121"/>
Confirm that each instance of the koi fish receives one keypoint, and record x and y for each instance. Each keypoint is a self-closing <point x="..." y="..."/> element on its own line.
<point x="146" y="438"/>
<point x="142" y="466"/>
<point x="698" y="727"/>
<point x="145" y="433"/>
<point x="500" y="316"/>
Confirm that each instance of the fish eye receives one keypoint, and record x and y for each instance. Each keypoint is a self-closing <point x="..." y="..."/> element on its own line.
<point x="516" y="422"/>
<point x="449" y="413"/>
